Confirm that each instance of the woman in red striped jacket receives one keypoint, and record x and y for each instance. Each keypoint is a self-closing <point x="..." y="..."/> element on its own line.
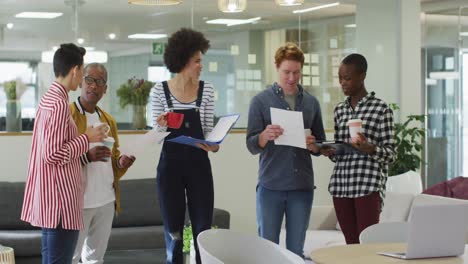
<point x="53" y="199"/>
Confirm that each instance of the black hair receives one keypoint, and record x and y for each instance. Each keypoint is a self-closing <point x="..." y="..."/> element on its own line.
<point x="181" y="46"/>
<point x="357" y="60"/>
<point x="66" y="57"/>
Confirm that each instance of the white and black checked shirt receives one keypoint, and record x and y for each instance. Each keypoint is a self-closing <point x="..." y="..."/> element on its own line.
<point x="356" y="175"/>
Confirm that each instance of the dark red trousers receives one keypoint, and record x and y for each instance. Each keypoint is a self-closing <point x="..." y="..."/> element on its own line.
<point x="355" y="214"/>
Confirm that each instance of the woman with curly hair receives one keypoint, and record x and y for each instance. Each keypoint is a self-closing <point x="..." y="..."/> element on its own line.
<point x="184" y="172"/>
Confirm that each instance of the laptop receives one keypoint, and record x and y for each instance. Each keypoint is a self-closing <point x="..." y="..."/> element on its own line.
<point x="435" y="231"/>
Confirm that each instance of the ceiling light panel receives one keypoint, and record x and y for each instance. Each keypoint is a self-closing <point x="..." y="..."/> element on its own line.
<point x="40" y="15"/>
<point x="147" y="36"/>
<point x="233" y="22"/>
<point x="289" y="2"/>
<point x="315" y="8"/>
<point x="155" y="2"/>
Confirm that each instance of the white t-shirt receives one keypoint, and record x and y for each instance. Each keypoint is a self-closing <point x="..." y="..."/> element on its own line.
<point x="97" y="175"/>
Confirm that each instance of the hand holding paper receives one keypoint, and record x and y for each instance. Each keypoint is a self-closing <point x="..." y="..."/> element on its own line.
<point x="141" y="143"/>
<point x="293" y="127"/>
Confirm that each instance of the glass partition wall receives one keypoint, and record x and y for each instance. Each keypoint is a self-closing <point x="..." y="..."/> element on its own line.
<point x="240" y="62"/>
<point x="445" y="56"/>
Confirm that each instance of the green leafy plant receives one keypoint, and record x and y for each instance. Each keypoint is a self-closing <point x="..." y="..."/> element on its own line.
<point x="14" y="89"/>
<point x="134" y="91"/>
<point x="408" y="144"/>
<point x="188" y="236"/>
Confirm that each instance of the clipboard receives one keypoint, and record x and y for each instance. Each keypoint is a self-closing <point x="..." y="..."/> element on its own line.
<point x="216" y="136"/>
<point x="341" y="148"/>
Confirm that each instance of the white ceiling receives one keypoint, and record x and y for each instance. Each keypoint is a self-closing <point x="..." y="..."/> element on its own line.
<point x="98" y="18"/>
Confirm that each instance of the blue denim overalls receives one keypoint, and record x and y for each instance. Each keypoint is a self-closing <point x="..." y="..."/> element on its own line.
<point x="184" y="171"/>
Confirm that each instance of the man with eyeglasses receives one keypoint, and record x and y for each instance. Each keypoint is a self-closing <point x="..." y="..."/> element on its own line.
<point x="101" y="174"/>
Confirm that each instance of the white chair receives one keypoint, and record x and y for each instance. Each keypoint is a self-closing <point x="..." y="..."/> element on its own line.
<point x="223" y="246"/>
<point x="389" y="232"/>
<point x="408" y="182"/>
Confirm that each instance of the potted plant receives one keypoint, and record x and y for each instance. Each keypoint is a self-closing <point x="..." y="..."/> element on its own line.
<point x="189" y="249"/>
<point x="188" y="244"/>
<point x="408" y="144"/>
<point x="135" y="92"/>
<point x="13" y="90"/>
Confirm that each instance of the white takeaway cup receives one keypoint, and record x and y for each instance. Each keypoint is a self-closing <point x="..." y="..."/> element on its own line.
<point x="109" y="142"/>
<point x="355" y="127"/>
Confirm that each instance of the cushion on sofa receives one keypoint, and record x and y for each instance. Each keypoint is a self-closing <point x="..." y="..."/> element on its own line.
<point x="139" y="203"/>
<point x="455" y="188"/>
<point x="142" y="237"/>
<point x="25" y="242"/>
<point x="11" y="202"/>
<point x="396" y="207"/>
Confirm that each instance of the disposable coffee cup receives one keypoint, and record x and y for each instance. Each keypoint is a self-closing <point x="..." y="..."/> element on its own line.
<point x="307" y="132"/>
<point x="104" y="127"/>
<point x="108" y="142"/>
<point x="355" y="127"/>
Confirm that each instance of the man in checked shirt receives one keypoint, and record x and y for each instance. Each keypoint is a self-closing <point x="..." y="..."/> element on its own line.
<point x="358" y="180"/>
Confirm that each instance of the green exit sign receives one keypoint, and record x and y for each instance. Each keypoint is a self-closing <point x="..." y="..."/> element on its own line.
<point x="158" y="48"/>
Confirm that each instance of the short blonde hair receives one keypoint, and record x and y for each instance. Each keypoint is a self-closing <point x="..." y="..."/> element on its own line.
<point x="290" y="51"/>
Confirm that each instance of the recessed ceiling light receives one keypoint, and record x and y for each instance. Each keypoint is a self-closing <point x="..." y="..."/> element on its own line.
<point x="111" y="36"/>
<point x="80" y="40"/>
<point x="350" y="25"/>
<point x="289" y="2"/>
<point x="233" y="22"/>
<point x="44" y="15"/>
<point x="147" y="36"/>
<point x="9" y="25"/>
<point x="315" y="8"/>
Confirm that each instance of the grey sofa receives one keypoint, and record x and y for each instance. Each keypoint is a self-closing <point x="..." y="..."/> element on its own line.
<point x="137" y="228"/>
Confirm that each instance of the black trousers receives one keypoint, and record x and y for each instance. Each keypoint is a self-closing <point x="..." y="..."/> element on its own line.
<point x="178" y="180"/>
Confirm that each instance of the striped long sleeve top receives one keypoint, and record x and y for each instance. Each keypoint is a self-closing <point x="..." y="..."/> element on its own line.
<point x="54" y="191"/>
<point x="159" y="105"/>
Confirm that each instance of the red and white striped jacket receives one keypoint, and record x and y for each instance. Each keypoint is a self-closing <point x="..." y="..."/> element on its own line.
<point x="54" y="191"/>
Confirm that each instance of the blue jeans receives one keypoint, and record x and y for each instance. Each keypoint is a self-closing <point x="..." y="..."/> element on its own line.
<point x="295" y="205"/>
<point x="58" y="245"/>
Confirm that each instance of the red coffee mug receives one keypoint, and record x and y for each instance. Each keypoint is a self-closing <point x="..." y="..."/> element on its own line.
<point x="174" y="120"/>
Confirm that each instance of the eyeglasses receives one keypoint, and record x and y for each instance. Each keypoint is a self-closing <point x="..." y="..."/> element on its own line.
<point x="90" y="80"/>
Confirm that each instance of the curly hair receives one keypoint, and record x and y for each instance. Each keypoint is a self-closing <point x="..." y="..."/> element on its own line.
<point x="181" y="46"/>
<point x="289" y="51"/>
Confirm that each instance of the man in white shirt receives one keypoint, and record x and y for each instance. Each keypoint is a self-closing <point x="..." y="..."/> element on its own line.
<point x="103" y="167"/>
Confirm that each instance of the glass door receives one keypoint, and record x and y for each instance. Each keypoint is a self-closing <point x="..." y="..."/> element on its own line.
<point x="444" y="140"/>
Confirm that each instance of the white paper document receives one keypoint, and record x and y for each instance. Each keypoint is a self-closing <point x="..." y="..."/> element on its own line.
<point x="222" y="127"/>
<point x="216" y="136"/>
<point x="139" y="145"/>
<point x="292" y="123"/>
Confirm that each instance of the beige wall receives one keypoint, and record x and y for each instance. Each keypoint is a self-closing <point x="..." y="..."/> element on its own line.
<point x="234" y="171"/>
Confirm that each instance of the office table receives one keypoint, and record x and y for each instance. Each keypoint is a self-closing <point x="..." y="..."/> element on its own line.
<point x="367" y="254"/>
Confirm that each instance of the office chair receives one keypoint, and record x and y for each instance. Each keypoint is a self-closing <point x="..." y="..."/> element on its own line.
<point x="388" y="232"/>
<point x="223" y="246"/>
